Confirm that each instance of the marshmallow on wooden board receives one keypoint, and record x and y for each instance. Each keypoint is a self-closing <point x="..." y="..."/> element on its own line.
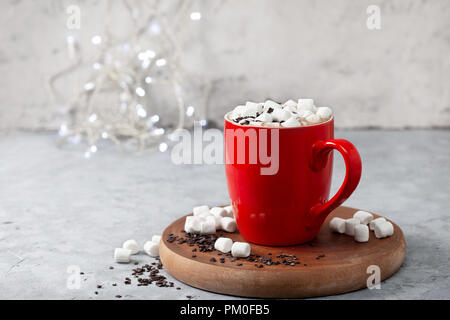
<point x="131" y="245"/>
<point x="281" y="114"/>
<point x="192" y="224"/>
<point x="375" y="222"/>
<point x="240" y="250"/>
<point x="337" y="225"/>
<point x="265" y="117"/>
<point x="361" y="233"/>
<point x="384" y="229"/>
<point x="229" y="210"/>
<point x="363" y="216"/>
<point x="199" y="210"/>
<point x="151" y="248"/>
<point x="350" y="226"/>
<point x="290" y="103"/>
<point x="219" y="212"/>
<point x="223" y="244"/>
<point x="228" y="224"/>
<point x="324" y="112"/>
<point x="208" y="226"/>
<point x="156" y="238"/>
<point x="291" y="122"/>
<point x="307" y="104"/>
<point x="122" y="255"/>
<point x="313" y="118"/>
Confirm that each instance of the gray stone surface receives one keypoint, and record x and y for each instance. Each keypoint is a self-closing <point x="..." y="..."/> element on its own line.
<point x="58" y="209"/>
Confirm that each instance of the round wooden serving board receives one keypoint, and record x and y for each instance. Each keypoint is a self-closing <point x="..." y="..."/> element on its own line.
<point x="330" y="264"/>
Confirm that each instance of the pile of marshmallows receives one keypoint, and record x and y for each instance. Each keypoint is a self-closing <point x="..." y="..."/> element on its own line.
<point x="131" y="247"/>
<point x="357" y="226"/>
<point x="208" y="221"/>
<point x="288" y="114"/>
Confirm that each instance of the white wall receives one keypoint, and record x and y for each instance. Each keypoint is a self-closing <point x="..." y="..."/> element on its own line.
<point x="395" y="77"/>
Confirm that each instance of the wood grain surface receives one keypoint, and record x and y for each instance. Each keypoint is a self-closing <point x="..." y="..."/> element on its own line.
<point x="330" y="264"/>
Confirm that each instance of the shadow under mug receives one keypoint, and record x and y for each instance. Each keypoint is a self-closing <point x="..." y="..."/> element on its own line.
<point x="285" y="205"/>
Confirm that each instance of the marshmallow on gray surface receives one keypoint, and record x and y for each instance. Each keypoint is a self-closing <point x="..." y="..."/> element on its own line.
<point x="240" y="250"/>
<point x="151" y="248"/>
<point x="384" y="229"/>
<point x="228" y="224"/>
<point x="122" y="255"/>
<point x="131" y="245"/>
<point x="337" y="225"/>
<point x="156" y="238"/>
<point x="375" y="222"/>
<point x="361" y="233"/>
<point x="350" y="226"/>
<point x="208" y="226"/>
<point x="192" y="224"/>
<point x="324" y="112"/>
<point x="223" y="245"/>
<point x="199" y="210"/>
<point x="363" y="216"/>
<point x="291" y="122"/>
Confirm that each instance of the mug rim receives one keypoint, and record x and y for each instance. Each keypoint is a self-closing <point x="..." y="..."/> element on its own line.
<point x="282" y="128"/>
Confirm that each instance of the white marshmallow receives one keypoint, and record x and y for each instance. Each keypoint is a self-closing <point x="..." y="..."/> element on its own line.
<point x="361" y="233"/>
<point x="131" y="245"/>
<point x="151" y="248"/>
<point x="192" y="225"/>
<point x="219" y="212"/>
<point x="251" y="109"/>
<point x="313" y="118"/>
<point x="304" y="113"/>
<point x="271" y="104"/>
<point x="228" y="224"/>
<point x="240" y="249"/>
<point x="384" y="229"/>
<point x="337" y="225"/>
<point x="307" y="104"/>
<point x="217" y="221"/>
<point x="324" y="112"/>
<point x="363" y="216"/>
<point x="265" y="117"/>
<point x="238" y="111"/>
<point x="350" y="226"/>
<point x="208" y="226"/>
<point x="291" y="122"/>
<point x="255" y="123"/>
<point x="374" y="222"/>
<point x="223" y="245"/>
<point x="290" y="103"/>
<point x="122" y="255"/>
<point x="229" y="210"/>
<point x="272" y="124"/>
<point x="281" y="115"/>
<point x="199" y="210"/>
<point x="156" y="239"/>
<point x="290" y="108"/>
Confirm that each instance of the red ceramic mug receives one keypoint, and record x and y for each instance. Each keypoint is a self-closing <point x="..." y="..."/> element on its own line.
<point x="288" y="205"/>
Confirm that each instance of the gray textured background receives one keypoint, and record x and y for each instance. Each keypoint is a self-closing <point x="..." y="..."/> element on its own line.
<point x="395" y="77"/>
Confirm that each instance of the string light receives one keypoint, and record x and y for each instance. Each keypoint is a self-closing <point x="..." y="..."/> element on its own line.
<point x="121" y="69"/>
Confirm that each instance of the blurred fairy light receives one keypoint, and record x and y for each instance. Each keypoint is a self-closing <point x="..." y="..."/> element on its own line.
<point x="190" y="111"/>
<point x="196" y="16"/>
<point x="96" y="40"/>
<point x="122" y="70"/>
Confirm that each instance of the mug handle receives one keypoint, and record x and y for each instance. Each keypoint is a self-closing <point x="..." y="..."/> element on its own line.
<point x="320" y="152"/>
